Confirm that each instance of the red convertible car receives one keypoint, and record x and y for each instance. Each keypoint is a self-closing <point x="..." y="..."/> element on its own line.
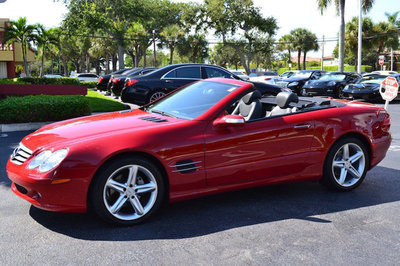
<point x="212" y="136"/>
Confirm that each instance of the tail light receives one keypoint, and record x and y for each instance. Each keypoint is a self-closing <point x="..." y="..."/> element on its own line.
<point x="101" y="79"/>
<point x="115" y="80"/>
<point x="385" y="118"/>
<point x="130" y="82"/>
<point x="267" y="79"/>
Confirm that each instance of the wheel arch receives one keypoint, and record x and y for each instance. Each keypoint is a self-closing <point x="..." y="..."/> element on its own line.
<point x="356" y="135"/>
<point x="116" y="157"/>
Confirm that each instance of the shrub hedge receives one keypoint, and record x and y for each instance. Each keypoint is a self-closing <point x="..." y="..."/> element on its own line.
<point x="88" y="84"/>
<point x="364" y="68"/>
<point x="52" y="81"/>
<point x="42" y="108"/>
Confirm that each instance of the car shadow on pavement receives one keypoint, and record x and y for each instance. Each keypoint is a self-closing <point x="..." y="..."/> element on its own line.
<point x="226" y="211"/>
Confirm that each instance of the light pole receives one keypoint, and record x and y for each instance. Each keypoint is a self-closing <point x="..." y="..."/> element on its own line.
<point x="359" y="38"/>
<point x="154" y="48"/>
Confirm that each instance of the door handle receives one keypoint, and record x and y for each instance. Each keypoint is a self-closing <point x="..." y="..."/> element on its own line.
<point x="306" y="126"/>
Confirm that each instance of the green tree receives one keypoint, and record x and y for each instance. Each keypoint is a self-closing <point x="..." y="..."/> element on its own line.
<point x="20" y="31"/>
<point x="45" y="38"/>
<point x="340" y="7"/>
<point x="310" y="43"/>
<point x="171" y="35"/>
<point x="286" y="44"/>
<point x="139" y="38"/>
<point x="298" y="40"/>
<point x="193" y="46"/>
<point x="225" y="56"/>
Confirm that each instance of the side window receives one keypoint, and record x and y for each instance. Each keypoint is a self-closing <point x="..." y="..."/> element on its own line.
<point x="316" y="75"/>
<point x="188" y="72"/>
<point x="216" y="73"/>
<point x="170" y="75"/>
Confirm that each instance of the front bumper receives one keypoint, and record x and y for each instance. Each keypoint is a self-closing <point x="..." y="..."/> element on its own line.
<point x="315" y="91"/>
<point x="40" y="190"/>
<point x="359" y="94"/>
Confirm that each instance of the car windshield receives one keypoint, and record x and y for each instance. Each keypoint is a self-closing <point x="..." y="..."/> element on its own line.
<point x="301" y="74"/>
<point x="333" y="76"/>
<point x="372" y="79"/>
<point x="193" y="100"/>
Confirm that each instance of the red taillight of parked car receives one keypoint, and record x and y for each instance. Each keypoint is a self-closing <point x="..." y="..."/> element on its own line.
<point x="101" y="79"/>
<point x="130" y="82"/>
<point x="115" y="80"/>
<point x="385" y="118"/>
<point x="267" y="79"/>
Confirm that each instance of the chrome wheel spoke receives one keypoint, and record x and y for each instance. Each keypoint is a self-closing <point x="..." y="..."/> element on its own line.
<point x="149" y="187"/>
<point x="118" y="204"/>
<point x="116" y="185"/>
<point x="354" y="172"/>
<point x="354" y="158"/>
<point x="346" y="151"/>
<point x="137" y="205"/>
<point x="343" y="175"/>
<point x="339" y="164"/>
<point x="133" y="170"/>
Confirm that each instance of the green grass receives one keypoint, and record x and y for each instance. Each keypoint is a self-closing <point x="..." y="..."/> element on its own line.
<point x="101" y="103"/>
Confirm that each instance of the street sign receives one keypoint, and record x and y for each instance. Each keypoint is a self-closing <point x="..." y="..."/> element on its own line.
<point x="381" y="61"/>
<point x="389" y="89"/>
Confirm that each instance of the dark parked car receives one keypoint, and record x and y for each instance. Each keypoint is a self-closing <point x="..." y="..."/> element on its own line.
<point x="117" y="82"/>
<point x="147" y="88"/>
<point x="331" y="84"/>
<point x="103" y="80"/>
<point x="298" y="79"/>
<point x="367" y="88"/>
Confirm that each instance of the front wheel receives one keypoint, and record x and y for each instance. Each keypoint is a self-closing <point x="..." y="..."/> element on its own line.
<point x="346" y="164"/>
<point x="127" y="191"/>
<point x="339" y="93"/>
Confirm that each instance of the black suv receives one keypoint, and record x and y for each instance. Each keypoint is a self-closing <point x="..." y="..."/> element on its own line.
<point x="143" y="89"/>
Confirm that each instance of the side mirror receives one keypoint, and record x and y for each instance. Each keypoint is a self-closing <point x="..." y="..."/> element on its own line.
<point x="229" y="121"/>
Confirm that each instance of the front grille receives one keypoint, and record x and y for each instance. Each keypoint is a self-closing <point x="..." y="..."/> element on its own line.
<point x="20" y="154"/>
<point x="154" y="119"/>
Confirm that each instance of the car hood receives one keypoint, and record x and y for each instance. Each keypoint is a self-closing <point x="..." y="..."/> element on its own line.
<point x="295" y="79"/>
<point x="83" y="128"/>
<point x="362" y="86"/>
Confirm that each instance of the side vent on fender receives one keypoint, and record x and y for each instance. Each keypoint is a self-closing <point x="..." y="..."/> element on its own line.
<point x="186" y="166"/>
<point x="154" y="119"/>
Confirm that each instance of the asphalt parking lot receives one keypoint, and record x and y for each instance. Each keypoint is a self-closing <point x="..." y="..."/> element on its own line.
<point x="287" y="224"/>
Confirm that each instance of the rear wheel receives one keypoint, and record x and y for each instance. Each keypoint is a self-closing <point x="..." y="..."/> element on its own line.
<point x="127" y="191"/>
<point x="155" y="95"/>
<point x="346" y="164"/>
<point x="339" y="93"/>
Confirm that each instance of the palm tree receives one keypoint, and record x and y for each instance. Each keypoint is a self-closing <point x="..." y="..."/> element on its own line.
<point x="340" y="6"/>
<point x="171" y="35"/>
<point x="286" y="43"/>
<point x="298" y="41"/>
<point x="20" y="31"/>
<point x="139" y="35"/>
<point x="44" y="39"/>
<point x="310" y="43"/>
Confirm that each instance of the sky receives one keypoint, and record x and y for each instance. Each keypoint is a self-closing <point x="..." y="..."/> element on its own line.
<point x="290" y="14"/>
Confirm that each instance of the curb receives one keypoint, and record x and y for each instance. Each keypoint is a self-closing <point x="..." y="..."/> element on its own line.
<point x="28" y="126"/>
<point x="22" y="126"/>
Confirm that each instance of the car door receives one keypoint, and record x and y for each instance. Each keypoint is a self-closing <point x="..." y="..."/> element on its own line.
<point x="181" y="76"/>
<point x="266" y="148"/>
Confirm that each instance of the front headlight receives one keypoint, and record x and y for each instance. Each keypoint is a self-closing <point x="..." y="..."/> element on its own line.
<point x="331" y="83"/>
<point x="295" y="83"/>
<point x="47" y="160"/>
<point x="346" y="87"/>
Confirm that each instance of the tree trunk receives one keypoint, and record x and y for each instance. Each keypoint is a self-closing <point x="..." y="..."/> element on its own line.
<point x="52" y="64"/>
<point x="65" y="67"/>
<point x="121" y="60"/>
<point x="87" y="63"/>
<point x="355" y="60"/>
<point x="341" y="35"/>
<point x="114" y="62"/>
<point x="171" y="50"/>
<point x="42" y="68"/>
<point x="107" y="64"/>
<point x="23" y="47"/>
<point x="145" y="57"/>
<point x="136" y="56"/>
<point x="304" y="60"/>
<point x="298" y="59"/>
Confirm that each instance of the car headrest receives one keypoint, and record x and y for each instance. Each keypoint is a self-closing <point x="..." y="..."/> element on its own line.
<point x="283" y="99"/>
<point x="251" y="96"/>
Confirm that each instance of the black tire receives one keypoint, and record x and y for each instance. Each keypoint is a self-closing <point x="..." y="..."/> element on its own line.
<point x="339" y="93"/>
<point x="110" y="191"/>
<point x="155" y="95"/>
<point x="353" y="173"/>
